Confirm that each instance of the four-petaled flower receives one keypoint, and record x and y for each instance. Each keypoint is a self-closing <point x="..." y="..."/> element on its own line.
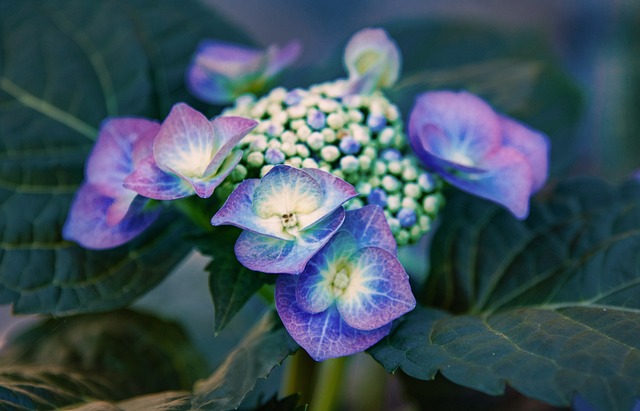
<point x="477" y="150"/>
<point x="350" y="291"/>
<point x="190" y="155"/>
<point x="373" y="61"/>
<point x="104" y="214"/>
<point x="288" y="215"/>
<point x="220" y="71"/>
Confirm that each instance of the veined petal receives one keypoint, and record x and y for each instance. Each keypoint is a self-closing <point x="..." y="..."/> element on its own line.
<point x="184" y="145"/>
<point x="314" y="291"/>
<point x="369" y="228"/>
<point x="378" y="291"/>
<point x="87" y="220"/>
<point x="227" y="132"/>
<point x="238" y="211"/>
<point x="285" y="190"/>
<point x="335" y="193"/>
<point x="371" y="54"/>
<point x="273" y="255"/>
<point x="323" y="335"/>
<point x="148" y="180"/>
<point x="532" y="144"/>
<point x="204" y="186"/>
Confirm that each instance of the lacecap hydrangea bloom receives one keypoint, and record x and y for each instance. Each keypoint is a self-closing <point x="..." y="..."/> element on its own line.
<point x="287" y="216"/>
<point x="463" y="139"/>
<point x="350" y="292"/>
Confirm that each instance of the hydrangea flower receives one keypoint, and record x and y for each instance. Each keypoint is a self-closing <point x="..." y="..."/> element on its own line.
<point x="373" y="61"/>
<point x="104" y="214"/>
<point x="220" y="71"/>
<point x="288" y="215"/>
<point x="477" y="150"/>
<point x="350" y="292"/>
<point x="190" y="155"/>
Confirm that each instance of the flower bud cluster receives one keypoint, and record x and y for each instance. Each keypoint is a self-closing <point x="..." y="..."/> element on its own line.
<point x="358" y="138"/>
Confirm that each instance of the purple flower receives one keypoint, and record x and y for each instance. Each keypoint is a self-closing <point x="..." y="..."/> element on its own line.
<point x="350" y="292"/>
<point x="104" y="214"/>
<point x="373" y="61"/>
<point x="190" y="155"/>
<point x="220" y="72"/>
<point x="477" y="150"/>
<point x="287" y="216"/>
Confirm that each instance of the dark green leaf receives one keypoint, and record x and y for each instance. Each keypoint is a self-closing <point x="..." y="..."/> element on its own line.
<point x="289" y="403"/>
<point x="549" y="305"/>
<point x="163" y="401"/>
<point x="230" y="283"/>
<point x="64" y="67"/>
<point x="514" y="70"/>
<point x="266" y="346"/>
<point x="121" y="347"/>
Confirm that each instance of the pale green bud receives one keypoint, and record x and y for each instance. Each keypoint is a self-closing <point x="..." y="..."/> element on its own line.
<point x="315" y="140"/>
<point x="335" y="120"/>
<point x="363" y="188"/>
<point x="309" y="163"/>
<point x="390" y="184"/>
<point x="411" y="190"/>
<point x="265" y="169"/>
<point x="303" y="132"/>
<point x="393" y="203"/>
<point x="302" y="150"/>
<point x="364" y="162"/>
<point x="330" y="153"/>
<point x="255" y="159"/>
<point x="288" y="149"/>
<point x="329" y="135"/>
<point x="349" y="164"/>
<point x="294" y="162"/>
<point x="395" y="167"/>
<point x="379" y="168"/>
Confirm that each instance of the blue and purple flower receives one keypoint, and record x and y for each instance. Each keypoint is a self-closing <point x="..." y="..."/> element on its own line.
<point x="350" y="291"/>
<point x="104" y="214"/>
<point x="288" y="215"/>
<point x="492" y="156"/>
<point x="191" y="155"/>
<point x="221" y="71"/>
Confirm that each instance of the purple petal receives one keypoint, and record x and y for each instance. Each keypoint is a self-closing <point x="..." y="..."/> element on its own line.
<point x="113" y="155"/>
<point x="457" y="127"/>
<point x="208" y="87"/>
<point x="87" y="220"/>
<point x="227" y="133"/>
<point x="314" y="290"/>
<point x="369" y="227"/>
<point x="378" y="291"/>
<point x="323" y="335"/>
<point x="532" y="144"/>
<point x="204" y="187"/>
<point x="230" y="60"/>
<point x="149" y="181"/>
<point x="238" y="211"/>
<point x="272" y="255"/>
<point x="184" y="145"/>
<point x="281" y="58"/>
<point x="336" y="192"/>
<point x="120" y="207"/>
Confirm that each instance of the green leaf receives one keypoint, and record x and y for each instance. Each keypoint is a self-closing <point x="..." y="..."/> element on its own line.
<point x="231" y="284"/>
<point x="289" y="403"/>
<point x="121" y="347"/>
<point x="266" y="346"/>
<point x="64" y="67"/>
<point x="549" y="305"/>
<point x="514" y="70"/>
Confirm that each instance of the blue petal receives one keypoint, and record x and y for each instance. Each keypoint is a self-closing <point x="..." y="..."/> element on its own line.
<point x="369" y="227"/>
<point x="336" y="192"/>
<point x="148" y="180"/>
<point x="323" y="335"/>
<point x="272" y="255"/>
<point x="378" y="290"/>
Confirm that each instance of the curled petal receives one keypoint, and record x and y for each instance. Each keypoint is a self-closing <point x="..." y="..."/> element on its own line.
<point x="286" y="190"/>
<point x="87" y="221"/>
<point x="227" y="133"/>
<point x="323" y="335"/>
<point x="532" y="144"/>
<point x="280" y="58"/>
<point x="372" y="60"/>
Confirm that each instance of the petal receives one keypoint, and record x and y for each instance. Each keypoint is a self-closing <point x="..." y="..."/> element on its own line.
<point x="285" y="190"/>
<point x="87" y="220"/>
<point x="238" y="211"/>
<point x="208" y="87"/>
<point x="112" y="157"/>
<point x="281" y="57"/>
<point x="369" y="227"/>
<point x="204" y="187"/>
<point x="378" y="290"/>
<point x="532" y="144"/>
<point x="272" y="255"/>
<point x="184" y="145"/>
<point x="227" y="133"/>
<point x="336" y="192"/>
<point x="229" y="60"/>
<point x="323" y="335"/>
<point x="314" y="290"/>
<point x="372" y="54"/>
<point x="120" y="207"/>
<point x="457" y="127"/>
<point x="149" y="181"/>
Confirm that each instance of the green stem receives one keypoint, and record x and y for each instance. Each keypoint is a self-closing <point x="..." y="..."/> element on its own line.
<point x="329" y="383"/>
<point x="298" y="377"/>
<point x="194" y="210"/>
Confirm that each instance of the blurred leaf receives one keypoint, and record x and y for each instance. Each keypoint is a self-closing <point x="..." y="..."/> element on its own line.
<point x="64" y="67"/>
<point x="231" y="284"/>
<point x="265" y="347"/>
<point x="289" y="403"/>
<point x="515" y="71"/>
<point x="549" y="305"/>
<point x="120" y="347"/>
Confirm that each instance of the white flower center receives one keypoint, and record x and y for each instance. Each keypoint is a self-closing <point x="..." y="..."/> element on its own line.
<point x="340" y="282"/>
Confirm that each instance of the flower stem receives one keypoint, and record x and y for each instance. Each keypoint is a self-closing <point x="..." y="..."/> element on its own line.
<point x="328" y="385"/>
<point x="298" y="378"/>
